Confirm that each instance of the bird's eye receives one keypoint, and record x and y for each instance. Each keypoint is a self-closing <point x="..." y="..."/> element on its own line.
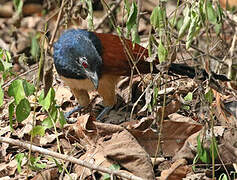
<point x="84" y="64"/>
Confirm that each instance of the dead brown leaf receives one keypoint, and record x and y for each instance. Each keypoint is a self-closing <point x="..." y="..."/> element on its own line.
<point x="8" y="168"/>
<point x="47" y="174"/>
<point x="178" y="170"/>
<point x="174" y="134"/>
<point x="110" y="144"/>
<point x="170" y="108"/>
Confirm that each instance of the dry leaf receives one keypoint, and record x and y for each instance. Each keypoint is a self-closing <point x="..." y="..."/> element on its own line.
<point x="110" y="144"/>
<point x="47" y="174"/>
<point x="177" y="171"/>
<point x="174" y="134"/>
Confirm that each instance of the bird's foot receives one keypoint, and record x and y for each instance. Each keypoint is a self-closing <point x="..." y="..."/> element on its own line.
<point x="103" y="113"/>
<point x="69" y="113"/>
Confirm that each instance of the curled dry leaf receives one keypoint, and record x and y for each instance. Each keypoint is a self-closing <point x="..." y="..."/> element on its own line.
<point x="174" y="134"/>
<point x="172" y="107"/>
<point x="112" y="144"/>
<point x="228" y="148"/>
<point x="124" y="149"/>
<point x="226" y="113"/>
<point x="178" y="170"/>
<point x="8" y="168"/>
<point x="188" y="151"/>
<point x="47" y="174"/>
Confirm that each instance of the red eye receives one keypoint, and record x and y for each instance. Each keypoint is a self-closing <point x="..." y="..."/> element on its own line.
<point x="85" y="65"/>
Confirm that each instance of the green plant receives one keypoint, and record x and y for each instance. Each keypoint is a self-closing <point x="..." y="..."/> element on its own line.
<point x="205" y="154"/>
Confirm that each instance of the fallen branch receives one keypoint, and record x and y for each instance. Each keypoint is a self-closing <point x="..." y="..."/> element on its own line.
<point x="67" y="158"/>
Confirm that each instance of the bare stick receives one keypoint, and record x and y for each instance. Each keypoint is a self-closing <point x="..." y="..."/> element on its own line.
<point x="57" y="24"/>
<point x="67" y="158"/>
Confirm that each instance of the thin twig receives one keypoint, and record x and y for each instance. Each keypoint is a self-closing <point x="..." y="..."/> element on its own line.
<point x="67" y="158"/>
<point x="139" y="6"/>
<point x="20" y="75"/>
<point x="108" y="14"/>
<point x="57" y="24"/>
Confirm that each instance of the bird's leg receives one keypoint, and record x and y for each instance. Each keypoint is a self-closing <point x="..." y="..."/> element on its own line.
<point x="103" y="113"/>
<point x="69" y="113"/>
<point x="82" y="98"/>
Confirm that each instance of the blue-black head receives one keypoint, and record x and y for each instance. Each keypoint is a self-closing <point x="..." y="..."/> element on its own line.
<point x="77" y="55"/>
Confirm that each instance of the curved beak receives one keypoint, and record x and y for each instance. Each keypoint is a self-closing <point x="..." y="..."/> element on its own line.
<point x="94" y="78"/>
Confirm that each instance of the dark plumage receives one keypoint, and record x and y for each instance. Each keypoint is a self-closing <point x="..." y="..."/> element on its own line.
<point x="72" y="45"/>
<point x="88" y="61"/>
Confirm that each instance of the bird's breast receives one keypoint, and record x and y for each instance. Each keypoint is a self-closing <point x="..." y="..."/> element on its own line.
<point x="85" y="84"/>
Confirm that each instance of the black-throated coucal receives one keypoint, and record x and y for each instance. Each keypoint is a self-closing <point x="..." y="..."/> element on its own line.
<point x="94" y="61"/>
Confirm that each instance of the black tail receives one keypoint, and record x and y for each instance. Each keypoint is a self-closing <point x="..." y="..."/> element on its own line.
<point x="191" y="72"/>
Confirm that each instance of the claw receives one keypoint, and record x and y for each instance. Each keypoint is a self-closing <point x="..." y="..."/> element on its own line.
<point x="69" y="113"/>
<point x="103" y="112"/>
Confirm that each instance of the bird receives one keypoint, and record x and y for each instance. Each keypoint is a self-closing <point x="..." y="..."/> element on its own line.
<point x="88" y="61"/>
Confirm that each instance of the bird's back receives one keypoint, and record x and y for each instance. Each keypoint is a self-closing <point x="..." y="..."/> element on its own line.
<point x="115" y="57"/>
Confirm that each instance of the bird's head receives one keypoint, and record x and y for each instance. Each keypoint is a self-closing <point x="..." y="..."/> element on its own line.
<point x="88" y="70"/>
<point x="77" y="56"/>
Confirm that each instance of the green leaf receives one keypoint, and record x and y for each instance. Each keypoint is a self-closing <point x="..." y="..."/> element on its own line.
<point x="1" y="53"/>
<point x="199" y="145"/>
<point x="162" y="52"/>
<point x="186" y="107"/>
<point x="213" y="147"/>
<point x="16" y="90"/>
<point x="35" y="164"/>
<point x="211" y="13"/>
<point x="28" y="88"/>
<point x="192" y="29"/>
<point x="201" y="11"/>
<point x="35" y="48"/>
<point x="48" y="122"/>
<point x="157" y="18"/>
<point x="195" y="160"/>
<point x="7" y="66"/>
<point x="62" y="119"/>
<point x="113" y="167"/>
<point x="202" y="152"/>
<point x="218" y="28"/>
<point x="155" y="96"/>
<point x="49" y="100"/>
<point x="54" y="113"/>
<point x="154" y="19"/>
<point x="1" y="66"/>
<point x="119" y="31"/>
<point x="18" y="5"/>
<point x="5" y="58"/>
<point x="1" y="96"/>
<point x="11" y="108"/>
<point x="59" y="165"/>
<point x="185" y="26"/>
<point x="220" y="13"/>
<point x="38" y="130"/>
<point x="90" y="18"/>
<point x="209" y="96"/>
<point x="19" y="157"/>
<point x="8" y="56"/>
<point x="23" y="110"/>
<point x="135" y="36"/>
<point x="223" y="176"/>
<point x="189" y="97"/>
<point x="127" y="6"/>
<point x="132" y="17"/>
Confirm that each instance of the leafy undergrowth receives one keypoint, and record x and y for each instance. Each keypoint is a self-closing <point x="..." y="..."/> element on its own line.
<point x="162" y="126"/>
